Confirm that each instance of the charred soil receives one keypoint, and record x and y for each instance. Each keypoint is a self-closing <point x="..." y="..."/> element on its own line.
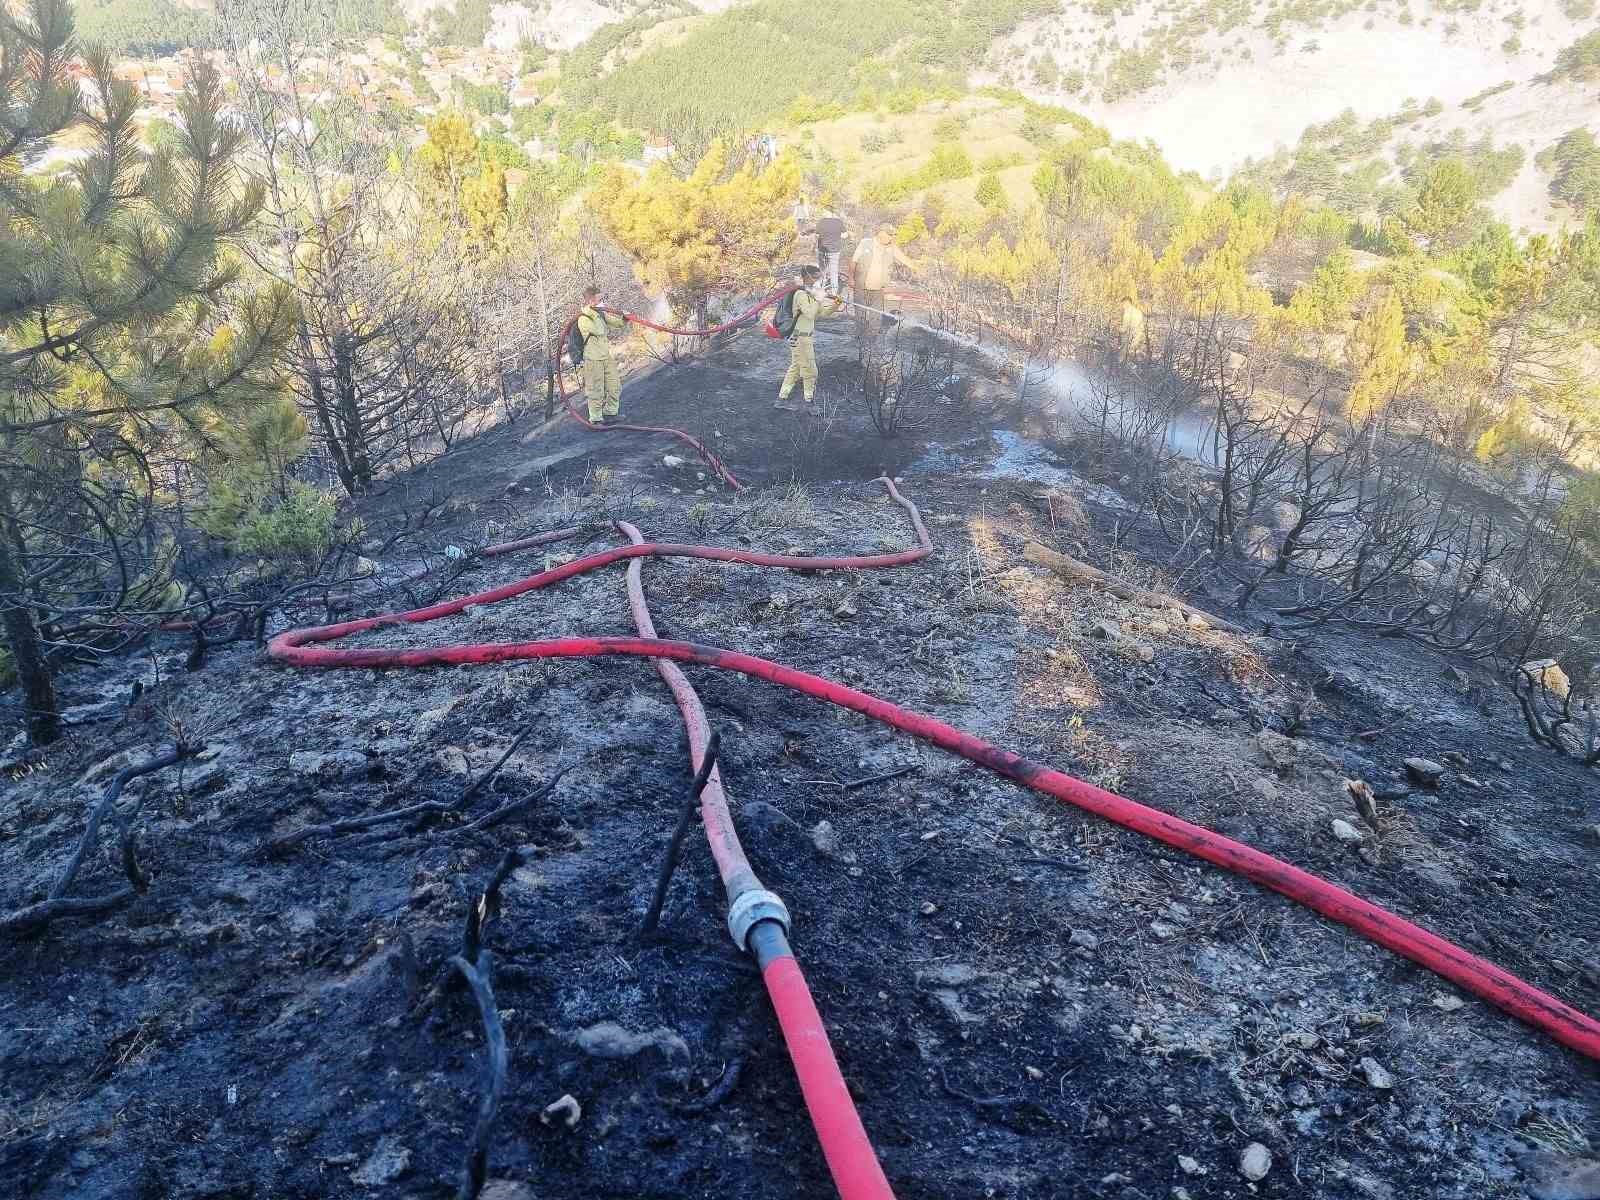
<point x="1025" y="1001"/>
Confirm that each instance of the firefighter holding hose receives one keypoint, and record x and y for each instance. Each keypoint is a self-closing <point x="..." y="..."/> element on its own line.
<point x="591" y="346"/>
<point x="805" y="307"/>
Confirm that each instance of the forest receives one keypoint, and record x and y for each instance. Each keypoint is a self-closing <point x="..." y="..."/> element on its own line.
<point x="754" y="61"/>
<point x="143" y="27"/>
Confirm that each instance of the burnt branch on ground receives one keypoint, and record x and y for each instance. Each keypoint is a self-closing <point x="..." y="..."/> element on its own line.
<point x="720" y="1091"/>
<point x="108" y="800"/>
<point x="36" y="916"/>
<point x="424" y="808"/>
<point x="483" y="909"/>
<point x="669" y="861"/>
<point x="511" y="809"/>
<point x="488" y="906"/>
<point x="496" y="1062"/>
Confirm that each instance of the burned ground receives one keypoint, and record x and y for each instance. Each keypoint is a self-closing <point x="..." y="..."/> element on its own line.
<point x="1025" y="1001"/>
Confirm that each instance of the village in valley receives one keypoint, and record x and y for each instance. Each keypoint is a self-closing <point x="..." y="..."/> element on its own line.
<point x="396" y="84"/>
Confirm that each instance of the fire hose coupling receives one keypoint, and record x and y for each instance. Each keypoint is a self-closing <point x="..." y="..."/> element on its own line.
<point x="751" y="908"/>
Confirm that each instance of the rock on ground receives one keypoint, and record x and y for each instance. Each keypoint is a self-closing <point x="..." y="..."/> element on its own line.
<point x="610" y="1040"/>
<point x="1255" y="1162"/>
<point x="1345" y="832"/>
<point x="1425" y="771"/>
<point x="1376" y="1075"/>
<point x="388" y="1161"/>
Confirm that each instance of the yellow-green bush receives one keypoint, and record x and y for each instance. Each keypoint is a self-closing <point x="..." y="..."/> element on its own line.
<point x="248" y="464"/>
<point x="949" y="162"/>
<point x="299" y="526"/>
<point x="1582" y="509"/>
<point x="912" y="228"/>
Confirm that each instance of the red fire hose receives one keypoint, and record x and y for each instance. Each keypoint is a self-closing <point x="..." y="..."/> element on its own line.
<point x="843" y="1138"/>
<point x="715" y="463"/>
<point x="1476" y="975"/>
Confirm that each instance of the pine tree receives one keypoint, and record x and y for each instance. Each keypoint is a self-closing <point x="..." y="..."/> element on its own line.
<point x="1446" y="204"/>
<point x="1379" y="357"/>
<point x="115" y="326"/>
<point x="715" y="231"/>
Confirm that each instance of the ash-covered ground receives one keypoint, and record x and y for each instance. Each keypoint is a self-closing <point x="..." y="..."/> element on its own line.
<point x="1025" y="1001"/>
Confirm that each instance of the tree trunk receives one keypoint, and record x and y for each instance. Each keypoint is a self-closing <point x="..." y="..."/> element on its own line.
<point x="22" y="635"/>
<point x="347" y="404"/>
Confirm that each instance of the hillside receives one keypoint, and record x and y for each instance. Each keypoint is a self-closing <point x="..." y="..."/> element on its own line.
<point x="1026" y="1002"/>
<point x="868" y="151"/>
<point x="1508" y="135"/>
<point x="1217" y="84"/>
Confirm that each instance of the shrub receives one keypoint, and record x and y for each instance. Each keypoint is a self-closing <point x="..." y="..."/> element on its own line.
<point x="808" y="110"/>
<point x="1581" y="60"/>
<point x="300" y="526"/>
<point x="911" y="229"/>
<point x="249" y="465"/>
<point x="503" y="152"/>
<point x="947" y="163"/>
<point x="1046" y="181"/>
<point x="906" y="100"/>
<point x="1574" y="164"/>
<point x="990" y="192"/>
<point x="1131" y="72"/>
<point x="1001" y="162"/>
<point x="484" y="98"/>
<point x="1582" y="509"/>
<point x="532" y="122"/>
<point x="1041" y="133"/>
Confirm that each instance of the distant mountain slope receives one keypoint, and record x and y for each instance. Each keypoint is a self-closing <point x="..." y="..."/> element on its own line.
<point x="751" y="62"/>
<point x="1218" y="82"/>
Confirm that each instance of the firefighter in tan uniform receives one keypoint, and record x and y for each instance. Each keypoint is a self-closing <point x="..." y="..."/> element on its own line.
<point x="602" y="386"/>
<point x="802" y="352"/>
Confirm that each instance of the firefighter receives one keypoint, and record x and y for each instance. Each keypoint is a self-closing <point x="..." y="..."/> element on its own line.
<point x="602" y="386"/>
<point x="802" y="353"/>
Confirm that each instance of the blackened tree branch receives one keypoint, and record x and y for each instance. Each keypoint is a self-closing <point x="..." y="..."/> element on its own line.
<point x="355" y="824"/>
<point x="669" y="862"/>
<point x="91" y="832"/>
<point x="37" y="916"/>
<point x="496" y="1065"/>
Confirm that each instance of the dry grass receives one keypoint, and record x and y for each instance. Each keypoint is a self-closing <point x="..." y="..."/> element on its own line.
<point x="991" y="131"/>
<point x="1557" y="1134"/>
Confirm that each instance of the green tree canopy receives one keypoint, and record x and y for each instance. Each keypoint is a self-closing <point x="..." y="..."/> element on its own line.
<point x="715" y="231"/>
<point x="122" y="327"/>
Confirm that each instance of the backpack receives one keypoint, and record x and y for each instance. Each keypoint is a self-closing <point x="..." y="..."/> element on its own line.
<point x="784" y="318"/>
<point x="576" y="344"/>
